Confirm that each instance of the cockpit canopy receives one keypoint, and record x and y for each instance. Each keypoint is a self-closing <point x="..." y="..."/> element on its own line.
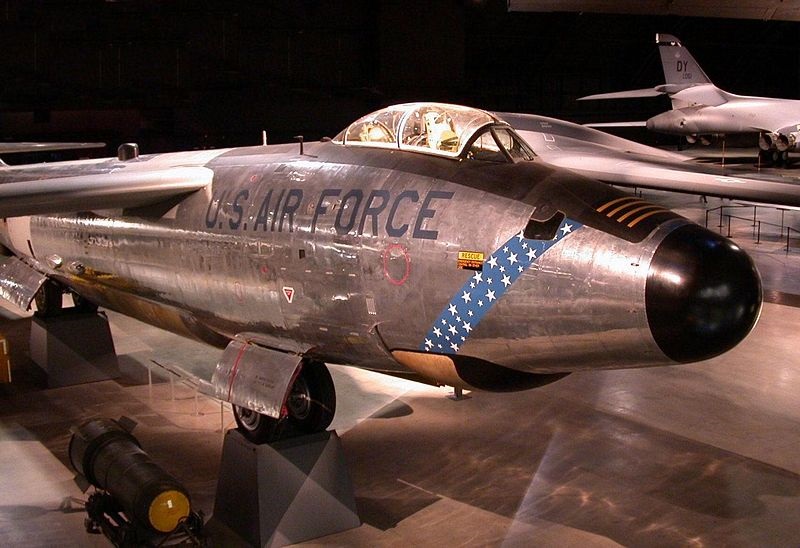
<point x="437" y="128"/>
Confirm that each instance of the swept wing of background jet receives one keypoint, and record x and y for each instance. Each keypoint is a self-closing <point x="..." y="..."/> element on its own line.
<point x="699" y="108"/>
<point x="425" y="239"/>
<point x="615" y="160"/>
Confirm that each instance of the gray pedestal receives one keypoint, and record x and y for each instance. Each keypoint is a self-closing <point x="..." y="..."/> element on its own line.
<point x="285" y="492"/>
<point x="73" y="348"/>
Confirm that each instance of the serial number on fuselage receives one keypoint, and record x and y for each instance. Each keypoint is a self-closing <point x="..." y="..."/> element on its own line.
<point x="374" y="212"/>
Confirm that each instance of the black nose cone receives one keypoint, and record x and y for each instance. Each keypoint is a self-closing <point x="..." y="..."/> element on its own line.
<point x="703" y="294"/>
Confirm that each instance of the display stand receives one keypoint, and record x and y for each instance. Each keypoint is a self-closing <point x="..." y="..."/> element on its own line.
<point x="73" y="348"/>
<point x="282" y="493"/>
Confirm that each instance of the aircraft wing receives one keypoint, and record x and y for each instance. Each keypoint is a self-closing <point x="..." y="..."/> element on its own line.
<point x="123" y="188"/>
<point x="640" y="123"/>
<point x="614" y="160"/>
<point x="629" y="94"/>
<point x="10" y="148"/>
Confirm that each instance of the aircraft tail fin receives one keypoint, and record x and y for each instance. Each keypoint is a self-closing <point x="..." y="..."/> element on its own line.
<point x="680" y="68"/>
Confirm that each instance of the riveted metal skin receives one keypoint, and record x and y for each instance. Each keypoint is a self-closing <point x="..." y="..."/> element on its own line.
<point x="352" y="253"/>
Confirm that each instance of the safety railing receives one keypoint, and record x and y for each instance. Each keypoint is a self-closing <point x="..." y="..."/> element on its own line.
<point x="755" y="222"/>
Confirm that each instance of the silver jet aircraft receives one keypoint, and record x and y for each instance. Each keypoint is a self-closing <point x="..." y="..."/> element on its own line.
<point x="425" y="240"/>
<point x="701" y="109"/>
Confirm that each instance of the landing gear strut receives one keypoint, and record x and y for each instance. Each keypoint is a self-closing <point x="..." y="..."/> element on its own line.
<point x="311" y="405"/>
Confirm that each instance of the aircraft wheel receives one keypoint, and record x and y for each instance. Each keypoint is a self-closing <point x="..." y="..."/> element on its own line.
<point x="311" y="406"/>
<point x="312" y="401"/>
<point x="256" y="427"/>
<point x="48" y="299"/>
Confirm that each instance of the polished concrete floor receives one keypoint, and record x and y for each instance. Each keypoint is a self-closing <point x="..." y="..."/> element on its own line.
<point x="698" y="455"/>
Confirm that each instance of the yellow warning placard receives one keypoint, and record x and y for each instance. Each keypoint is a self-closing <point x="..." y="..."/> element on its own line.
<point x="471" y="260"/>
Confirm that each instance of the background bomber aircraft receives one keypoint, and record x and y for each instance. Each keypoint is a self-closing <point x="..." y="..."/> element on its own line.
<point x="426" y="240"/>
<point x="700" y="109"/>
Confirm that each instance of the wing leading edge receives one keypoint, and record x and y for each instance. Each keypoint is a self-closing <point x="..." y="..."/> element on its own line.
<point x="614" y="160"/>
<point x="118" y="189"/>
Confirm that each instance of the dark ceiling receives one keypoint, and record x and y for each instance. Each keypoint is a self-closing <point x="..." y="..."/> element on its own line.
<point x="177" y="74"/>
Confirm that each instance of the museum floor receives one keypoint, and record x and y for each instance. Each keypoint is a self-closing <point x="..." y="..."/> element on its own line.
<point x="698" y="455"/>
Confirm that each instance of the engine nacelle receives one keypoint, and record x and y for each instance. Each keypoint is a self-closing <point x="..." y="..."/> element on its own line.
<point x="781" y="141"/>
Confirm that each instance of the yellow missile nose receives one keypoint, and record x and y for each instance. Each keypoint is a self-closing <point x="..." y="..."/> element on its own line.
<point x="167" y="510"/>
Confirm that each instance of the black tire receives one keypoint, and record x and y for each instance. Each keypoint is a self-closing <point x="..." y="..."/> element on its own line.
<point x="49" y="299"/>
<point x="312" y="400"/>
<point x="311" y="406"/>
<point x="256" y="427"/>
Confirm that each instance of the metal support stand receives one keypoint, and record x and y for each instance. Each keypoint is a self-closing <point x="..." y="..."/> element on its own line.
<point x="458" y="394"/>
<point x="282" y="493"/>
<point x="73" y="348"/>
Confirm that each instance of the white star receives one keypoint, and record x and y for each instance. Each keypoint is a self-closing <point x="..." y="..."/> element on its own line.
<point x="567" y="228"/>
<point x="506" y="281"/>
<point x="466" y="297"/>
<point x="469" y="313"/>
<point x="438" y="346"/>
<point x="458" y="318"/>
<point x="437" y="331"/>
<point x="480" y="303"/>
<point x="520" y="236"/>
<point x="429" y="343"/>
<point x="467" y="327"/>
<point x="463" y="339"/>
<point x="478" y="277"/>
<point x="492" y="261"/>
<point x="444" y="322"/>
<point x="452" y="309"/>
<point x="512" y="258"/>
<point x="490" y="295"/>
<point x="502" y="268"/>
<point x="531" y="254"/>
<point x="454" y="346"/>
<point x="472" y="285"/>
<point x="452" y="329"/>
<point x="520" y="269"/>
<point x="447" y="337"/>
<point x="505" y="249"/>
<point x="525" y="245"/>
<point x="489" y="280"/>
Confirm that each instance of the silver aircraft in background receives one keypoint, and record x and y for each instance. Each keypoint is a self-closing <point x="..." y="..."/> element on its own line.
<point x="425" y="240"/>
<point x="700" y="109"/>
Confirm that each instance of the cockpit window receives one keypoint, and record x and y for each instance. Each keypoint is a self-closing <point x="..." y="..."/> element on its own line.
<point x="486" y="149"/>
<point x="431" y="128"/>
<point x="379" y="127"/>
<point x="490" y="146"/>
<point x="513" y="145"/>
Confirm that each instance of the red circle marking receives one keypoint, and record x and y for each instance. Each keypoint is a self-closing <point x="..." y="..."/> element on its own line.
<point x="386" y="256"/>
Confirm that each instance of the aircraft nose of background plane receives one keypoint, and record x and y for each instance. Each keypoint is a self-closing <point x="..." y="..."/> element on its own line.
<point x="703" y="294"/>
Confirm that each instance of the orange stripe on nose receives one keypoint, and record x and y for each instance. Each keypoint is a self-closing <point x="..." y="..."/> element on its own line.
<point x="637" y="210"/>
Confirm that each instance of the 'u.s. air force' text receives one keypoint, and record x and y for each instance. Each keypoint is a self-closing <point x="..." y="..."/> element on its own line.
<point x="346" y="211"/>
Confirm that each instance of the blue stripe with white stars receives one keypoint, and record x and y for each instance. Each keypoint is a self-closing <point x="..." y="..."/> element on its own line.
<point x="479" y="294"/>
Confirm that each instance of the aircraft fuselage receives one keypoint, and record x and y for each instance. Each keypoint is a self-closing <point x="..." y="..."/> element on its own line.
<point x="394" y="260"/>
